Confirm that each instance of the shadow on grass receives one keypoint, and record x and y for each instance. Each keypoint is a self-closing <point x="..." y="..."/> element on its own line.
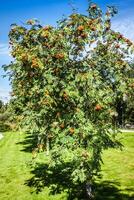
<point x="58" y="180"/>
<point x="107" y="190"/>
<point x="29" y="143"/>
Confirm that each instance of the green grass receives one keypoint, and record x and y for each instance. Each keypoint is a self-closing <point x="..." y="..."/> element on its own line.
<point x="119" y="166"/>
<point x="118" y="169"/>
<point x="15" y="171"/>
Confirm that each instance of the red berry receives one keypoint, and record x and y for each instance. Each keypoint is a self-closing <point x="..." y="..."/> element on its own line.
<point x="80" y="28"/>
<point x="117" y="46"/>
<point x="98" y="107"/>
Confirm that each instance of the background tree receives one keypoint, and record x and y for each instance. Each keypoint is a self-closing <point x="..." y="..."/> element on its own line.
<point x="1" y="104"/>
<point x="4" y="117"/>
<point x="65" y="82"/>
<point x="129" y="101"/>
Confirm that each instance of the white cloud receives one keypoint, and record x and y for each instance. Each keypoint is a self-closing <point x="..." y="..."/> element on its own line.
<point x="4" y="94"/>
<point x="4" y="49"/>
<point x="125" y="26"/>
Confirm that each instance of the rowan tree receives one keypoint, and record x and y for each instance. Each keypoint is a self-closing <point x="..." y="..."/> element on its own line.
<point x="65" y="82"/>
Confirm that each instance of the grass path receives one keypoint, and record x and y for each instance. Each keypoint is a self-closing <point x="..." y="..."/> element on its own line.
<point x="13" y="168"/>
<point x="118" y="168"/>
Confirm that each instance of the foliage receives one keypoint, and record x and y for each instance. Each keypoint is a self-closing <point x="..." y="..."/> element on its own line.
<point x="1" y="104"/>
<point x="65" y="83"/>
<point x="125" y="103"/>
<point x="129" y="112"/>
<point x="4" y="117"/>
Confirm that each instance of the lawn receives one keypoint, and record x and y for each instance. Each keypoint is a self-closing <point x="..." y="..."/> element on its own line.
<point x="17" y="179"/>
<point x="118" y="171"/>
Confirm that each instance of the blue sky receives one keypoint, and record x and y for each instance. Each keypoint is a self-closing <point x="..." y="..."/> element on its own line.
<point x="48" y="12"/>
